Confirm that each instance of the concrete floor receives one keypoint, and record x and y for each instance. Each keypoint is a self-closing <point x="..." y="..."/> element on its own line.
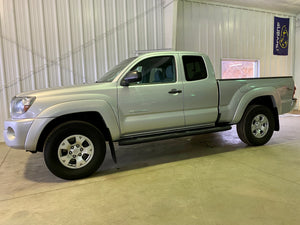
<point x="211" y="179"/>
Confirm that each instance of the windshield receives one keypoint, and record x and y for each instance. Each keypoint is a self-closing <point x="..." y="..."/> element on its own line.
<point x="114" y="72"/>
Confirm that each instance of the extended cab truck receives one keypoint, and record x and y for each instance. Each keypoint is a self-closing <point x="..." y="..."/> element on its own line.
<point x="151" y="97"/>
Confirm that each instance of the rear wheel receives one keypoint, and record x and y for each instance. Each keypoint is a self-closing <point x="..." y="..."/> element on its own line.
<point x="74" y="150"/>
<point x="256" y="126"/>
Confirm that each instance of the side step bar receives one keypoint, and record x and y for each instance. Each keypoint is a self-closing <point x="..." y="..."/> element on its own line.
<point x="158" y="137"/>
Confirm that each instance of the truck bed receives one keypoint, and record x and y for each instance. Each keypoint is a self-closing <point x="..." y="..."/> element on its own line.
<point x="236" y="94"/>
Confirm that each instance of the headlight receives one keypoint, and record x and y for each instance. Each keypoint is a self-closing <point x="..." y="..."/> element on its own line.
<point x="20" y="105"/>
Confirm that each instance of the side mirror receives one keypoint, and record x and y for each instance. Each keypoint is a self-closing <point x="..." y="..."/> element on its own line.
<point x="131" y="77"/>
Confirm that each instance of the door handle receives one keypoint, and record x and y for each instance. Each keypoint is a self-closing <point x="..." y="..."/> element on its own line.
<point x="175" y="91"/>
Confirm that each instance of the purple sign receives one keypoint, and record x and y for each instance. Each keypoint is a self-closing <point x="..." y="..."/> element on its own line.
<point x="281" y="36"/>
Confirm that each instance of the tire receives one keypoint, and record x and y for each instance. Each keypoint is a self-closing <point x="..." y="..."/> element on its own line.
<point x="256" y="126"/>
<point x="74" y="150"/>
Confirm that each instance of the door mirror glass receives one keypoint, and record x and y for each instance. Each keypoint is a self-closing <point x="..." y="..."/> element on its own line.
<point x="131" y="77"/>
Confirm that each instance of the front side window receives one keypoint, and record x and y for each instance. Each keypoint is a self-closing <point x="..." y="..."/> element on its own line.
<point x="194" y="68"/>
<point x="159" y="69"/>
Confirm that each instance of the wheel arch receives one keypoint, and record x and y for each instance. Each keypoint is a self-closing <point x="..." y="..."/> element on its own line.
<point x="270" y="102"/>
<point x="91" y="117"/>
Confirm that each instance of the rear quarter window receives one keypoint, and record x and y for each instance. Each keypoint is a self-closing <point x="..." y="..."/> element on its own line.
<point x="194" y="68"/>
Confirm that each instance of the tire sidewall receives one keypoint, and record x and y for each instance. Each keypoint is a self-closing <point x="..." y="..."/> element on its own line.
<point x="251" y="113"/>
<point x="65" y="130"/>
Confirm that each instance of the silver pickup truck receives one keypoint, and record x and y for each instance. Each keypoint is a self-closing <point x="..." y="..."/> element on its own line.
<point x="152" y="97"/>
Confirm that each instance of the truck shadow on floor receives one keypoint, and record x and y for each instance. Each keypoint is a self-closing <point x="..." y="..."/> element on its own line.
<point x="160" y="152"/>
<point x="137" y="156"/>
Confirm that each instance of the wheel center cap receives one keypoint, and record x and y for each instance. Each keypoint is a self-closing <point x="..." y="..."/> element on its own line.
<point x="76" y="150"/>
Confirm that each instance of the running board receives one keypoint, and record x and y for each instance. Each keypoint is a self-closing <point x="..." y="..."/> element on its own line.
<point x="158" y="137"/>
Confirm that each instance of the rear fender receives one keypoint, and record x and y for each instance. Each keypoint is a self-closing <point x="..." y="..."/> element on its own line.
<point x="252" y="95"/>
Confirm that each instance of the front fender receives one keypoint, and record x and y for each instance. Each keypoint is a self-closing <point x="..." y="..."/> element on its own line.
<point x="49" y="114"/>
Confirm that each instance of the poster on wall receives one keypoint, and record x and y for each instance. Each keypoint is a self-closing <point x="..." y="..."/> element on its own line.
<point x="281" y="36"/>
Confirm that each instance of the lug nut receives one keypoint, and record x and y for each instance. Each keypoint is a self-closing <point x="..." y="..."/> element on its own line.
<point x="74" y="156"/>
<point x="81" y="149"/>
<point x="79" y="154"/>
<point x="77" y="145"/>
<point x="70" y="152"/>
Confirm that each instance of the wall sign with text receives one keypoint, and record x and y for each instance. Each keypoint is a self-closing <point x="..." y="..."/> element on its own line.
<point x="281" y="36"/>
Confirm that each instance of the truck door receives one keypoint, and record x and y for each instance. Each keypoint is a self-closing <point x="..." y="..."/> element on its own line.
<point x="156" y="102"/>
<point x="200" y="93"/>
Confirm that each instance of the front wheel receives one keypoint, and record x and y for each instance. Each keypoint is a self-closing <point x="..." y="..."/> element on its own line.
<point x="74" y="150"/>
<point x="256" y="126"/>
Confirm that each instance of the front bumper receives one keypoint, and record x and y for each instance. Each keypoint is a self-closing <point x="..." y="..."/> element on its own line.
<point x="15" y="132"/>
<point x="24" y="133"/>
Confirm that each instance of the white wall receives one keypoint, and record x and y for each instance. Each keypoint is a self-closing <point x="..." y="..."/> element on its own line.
<point x="169" y="16"/>
<point x="53" y="43"/>
<point x="297" y="62"/>
<point x="230" y="32"/>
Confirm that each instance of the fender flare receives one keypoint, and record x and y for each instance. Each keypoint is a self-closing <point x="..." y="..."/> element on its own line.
<point x="70" y="107"/>
<point x="253" y="94"/>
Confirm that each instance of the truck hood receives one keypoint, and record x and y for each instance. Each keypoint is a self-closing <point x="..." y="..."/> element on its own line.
<point x="69" y="90"/>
